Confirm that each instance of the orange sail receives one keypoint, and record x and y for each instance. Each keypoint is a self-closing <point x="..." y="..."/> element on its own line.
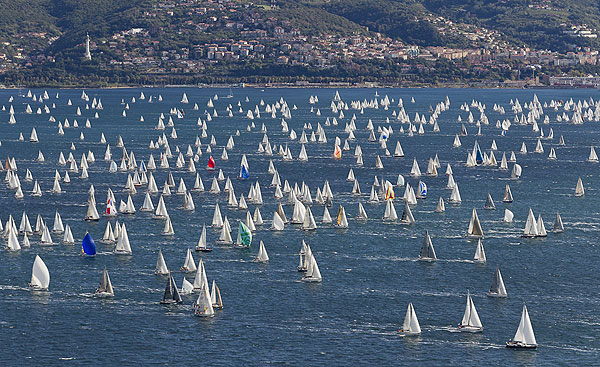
<point x="337" y="154"/>
<point x="389" y="193"/>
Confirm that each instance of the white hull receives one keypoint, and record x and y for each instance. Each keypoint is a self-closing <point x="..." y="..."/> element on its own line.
<point x="103" y="295"/>
<point x="511" y="344"/>
<point x="470" y="329"/>
<point x="408" y="333"/>
<point x="312" y="280"/>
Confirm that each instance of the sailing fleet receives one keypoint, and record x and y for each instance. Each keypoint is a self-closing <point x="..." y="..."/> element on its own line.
<point x="204" y="174"/>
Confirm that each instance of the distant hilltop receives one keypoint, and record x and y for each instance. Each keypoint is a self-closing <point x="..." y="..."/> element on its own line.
<point x="417" y="42"/>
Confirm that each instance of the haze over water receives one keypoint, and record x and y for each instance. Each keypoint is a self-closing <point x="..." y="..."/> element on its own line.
<point x="370" y="272"/>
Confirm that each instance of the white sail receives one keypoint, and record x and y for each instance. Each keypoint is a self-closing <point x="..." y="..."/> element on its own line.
<point x="508" y="216"/>
<point x="308" y="224"/>
<point x="479" y="253"/>
<point x="579" y="190"/>
<point x="109" y="236"/>
<point x="92" y="212"/>
<point x="427" y="251"/>
<point x="201" y="245"/>
<point x="40" y="276"/>
<point x="46" y="238"/>
<point x="524" y="337"/>
<point x="470" y="321"/>
<point x="593" y="157"/>
<point x="13" y="241"/>
<point x="516" y="172"/>
<point x="123" y="246"/>
<point x="341" y="219"/>
<point x="168" y="228"/>
<point x="262" y="256"/>
<point x="415" y="170"/>
<point x="186" y="287"/>
<point x="278" y="224"/>
<point x="558" y="224"/>
<point x="541" y="229"/>
<point x="441" y="207"/>
<point x="161" y="265"/>
<point x="497" y="288"/>
<point x="203" y="305"/>
<point x="313" y="274"/>
<point x="225" y="235"/>
<point x="489" y="204"/>
<point x="105" y="289"/>
<point x="475" y="229"/>
<point x="455" y="195"/>
<point x="200" y="280"/>
<point x="531" y="227"/>
<point x="410" y="326"/>
<point x="508" y="198"/>
<point x="68" y="236"/>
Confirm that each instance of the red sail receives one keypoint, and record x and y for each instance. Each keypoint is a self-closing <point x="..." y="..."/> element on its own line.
<point x="211" y="163"/>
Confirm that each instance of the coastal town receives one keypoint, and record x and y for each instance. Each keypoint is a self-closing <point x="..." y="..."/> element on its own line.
<point x="214" y="35"/>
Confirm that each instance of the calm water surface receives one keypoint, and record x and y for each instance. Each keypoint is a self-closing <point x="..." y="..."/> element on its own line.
<point x="369" y="271"/>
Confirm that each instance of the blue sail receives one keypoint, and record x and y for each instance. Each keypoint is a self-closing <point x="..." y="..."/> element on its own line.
<point x="478" y="155"/>
<point x="244" y="172"/>
<point x="422" y="189"/>
<point x="88" y="246"/>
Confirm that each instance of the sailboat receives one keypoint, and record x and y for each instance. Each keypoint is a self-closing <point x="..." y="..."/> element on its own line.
<point x="479" y="253"/>
<point x="313" y="274"/>
<point x="40" y="276"/>
<point x="13" y="241"/>
<point x="497" y="288"/>
<point x="309" y="224"/>
<point x="508" y="198"/>
<point x="171" y="294"/>
<point x="92" y="212"/>
<point x="225" y="236"/>
<point x="593" y="157"/>
<point x="558" y="224"/>
<point x="531" y="226"/>
<point x="189" y="266"/>
<point x="410" y="326"/>
<point x="186" y="287"/>
<point x="489" y="204"/>
<point x="427" y="252"/>
<point x="341" y="221"/>
<point x="244" y="239"/>
<point x="215" y="296"/>
<point x="407" y="216"/>
<point x="88" y="246"/>
<point x="201" y="246"/>
<point x="524" y="337"/>
<point x="440" y="208"/>
<point x="579" y="190"/>
<point x="105" y="289"/>
<point x="211" y="164"/>
<point x="203" y="305"/>
<point x="123" y="247"/>
<point x="470" y="321"/>
<point x="161" y="265"/>
<point x="262" y="256"/>
<point x="475" y="229"/>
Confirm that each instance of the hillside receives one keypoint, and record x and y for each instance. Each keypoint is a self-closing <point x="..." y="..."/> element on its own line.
<point x="164" y="41"/>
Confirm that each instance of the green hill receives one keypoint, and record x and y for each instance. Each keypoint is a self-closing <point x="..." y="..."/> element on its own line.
<point x="42" y="40"/>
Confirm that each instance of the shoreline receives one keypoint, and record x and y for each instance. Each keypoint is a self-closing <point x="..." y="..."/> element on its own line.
<point x="307" y="86"/>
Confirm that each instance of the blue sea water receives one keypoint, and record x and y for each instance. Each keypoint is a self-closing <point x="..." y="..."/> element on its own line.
<point x="370" y="272"/>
